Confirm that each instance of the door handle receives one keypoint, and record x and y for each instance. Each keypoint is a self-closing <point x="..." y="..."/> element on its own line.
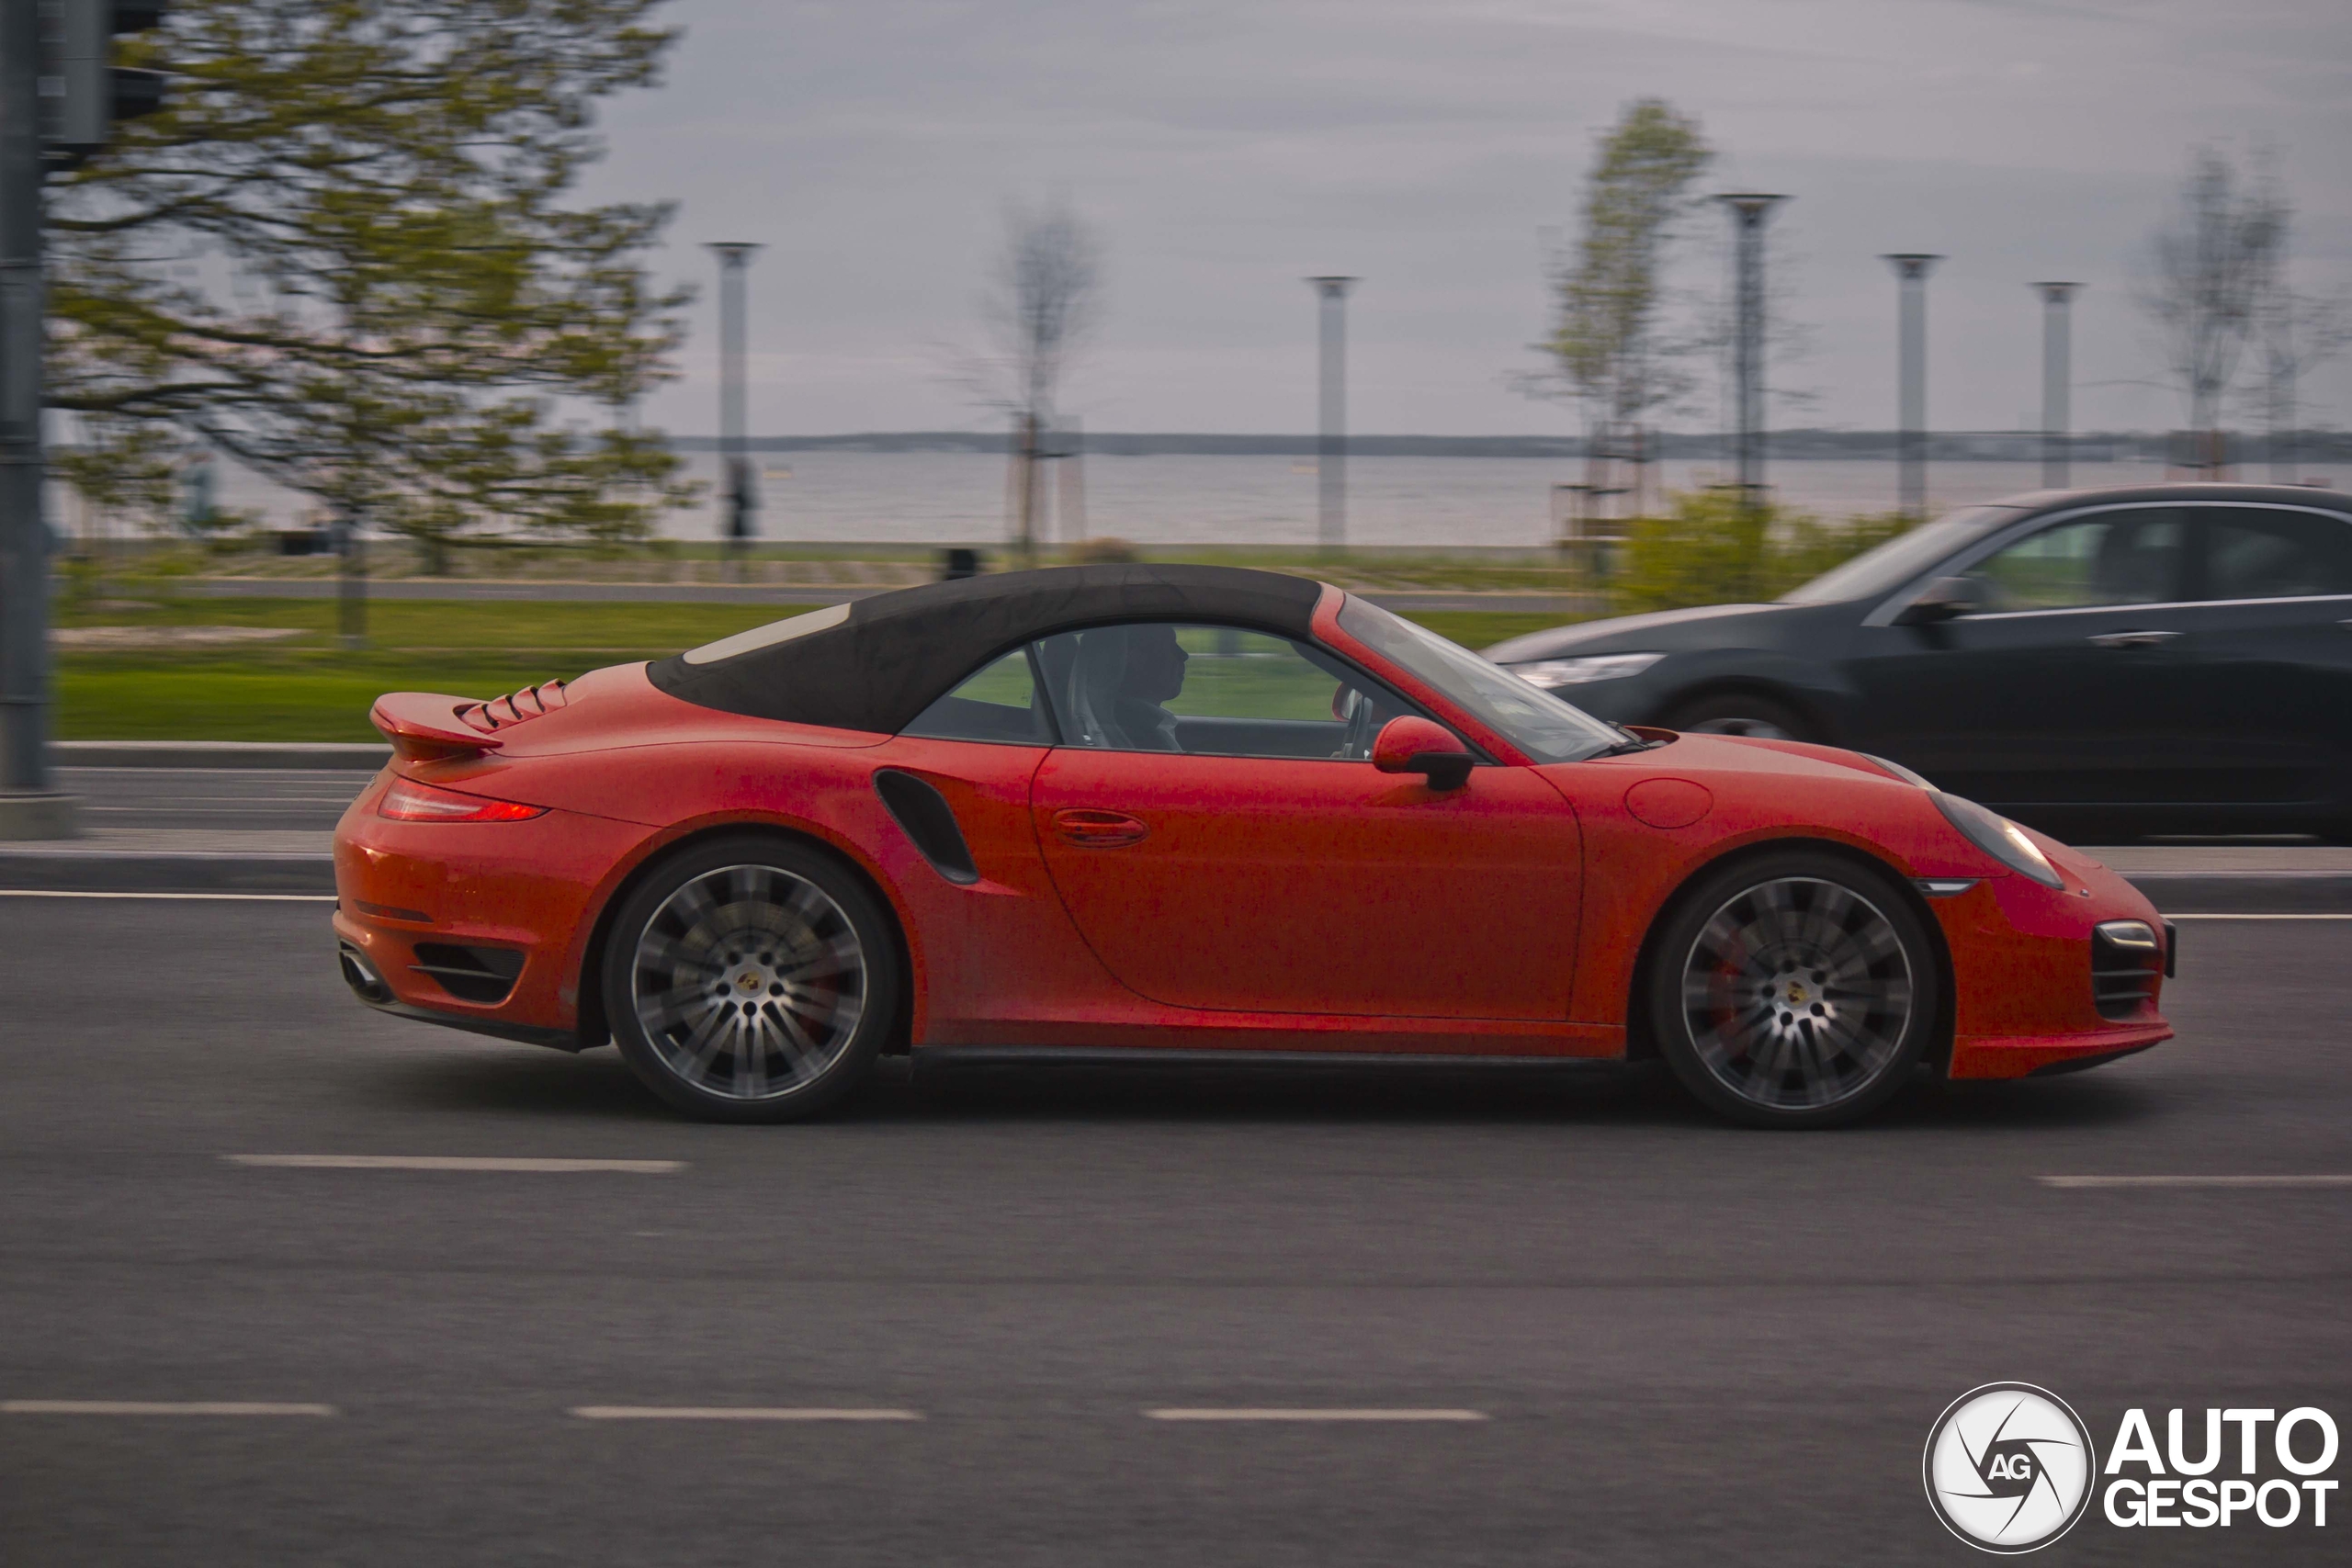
<point x="2133" y="639"/>
<point x="1100" y="830"/>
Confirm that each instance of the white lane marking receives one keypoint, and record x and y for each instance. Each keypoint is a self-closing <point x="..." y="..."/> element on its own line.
<point x="2194" y="1181"/>
<point x="454" y="1161"/>
<point x="156" y="1407"/>
<point x="2258" y="916"/>
<point x="198" y="897"/>
<point x="1279" y="1413"/>
<point x="738" y="1413"/>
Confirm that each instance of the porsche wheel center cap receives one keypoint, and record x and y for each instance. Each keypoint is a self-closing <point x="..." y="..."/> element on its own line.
<point x="750" y="982"/>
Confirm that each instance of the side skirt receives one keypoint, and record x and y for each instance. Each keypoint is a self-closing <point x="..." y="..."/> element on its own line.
<point x="938" y="1058"/>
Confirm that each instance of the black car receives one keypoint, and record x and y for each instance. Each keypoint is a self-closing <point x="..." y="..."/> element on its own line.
<point x="2161" y="659"/>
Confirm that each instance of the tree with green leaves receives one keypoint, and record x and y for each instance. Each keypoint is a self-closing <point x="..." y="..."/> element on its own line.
<point x="1608" y="342"/>
<point x="343" y="255"/>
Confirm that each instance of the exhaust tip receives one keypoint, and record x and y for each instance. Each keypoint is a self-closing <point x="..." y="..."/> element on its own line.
<point x="361" y="976"/>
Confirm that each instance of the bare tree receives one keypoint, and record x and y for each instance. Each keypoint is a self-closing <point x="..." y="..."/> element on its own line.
<point x="2212" y="265"/>
<point x="1042" y="301"/>
<point x="2297" y="333"/>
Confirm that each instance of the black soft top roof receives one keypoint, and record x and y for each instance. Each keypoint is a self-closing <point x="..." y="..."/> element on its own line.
<point x="900" y="652"/>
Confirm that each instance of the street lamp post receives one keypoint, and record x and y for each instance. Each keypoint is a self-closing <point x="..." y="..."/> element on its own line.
<point x="1912" y="269"/>
<point x="31" y="807"/>
<point x="1748" y="210"/>
<point x="1331" y="444"/>
<point x="740" y="497"/>
<point x="2057" y="379"/>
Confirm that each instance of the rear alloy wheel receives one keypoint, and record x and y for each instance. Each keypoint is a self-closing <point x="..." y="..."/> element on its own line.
<point x="751" y="981"/>
<point x="1795" y="992"/>
<point x="1737" y="713"/>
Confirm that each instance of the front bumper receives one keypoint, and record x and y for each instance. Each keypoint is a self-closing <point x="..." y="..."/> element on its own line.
<point x="2024" y="997"/>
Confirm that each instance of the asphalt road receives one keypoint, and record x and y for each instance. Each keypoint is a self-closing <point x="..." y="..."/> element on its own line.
<point x="1687" y="1344"/>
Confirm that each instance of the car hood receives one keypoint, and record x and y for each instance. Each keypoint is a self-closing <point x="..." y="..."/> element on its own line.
<point x="1665" y="631"/>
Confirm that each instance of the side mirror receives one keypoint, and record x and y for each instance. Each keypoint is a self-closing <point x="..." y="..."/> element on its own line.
<point x="1945" y="598"/>
<point x="1414" y="745"/>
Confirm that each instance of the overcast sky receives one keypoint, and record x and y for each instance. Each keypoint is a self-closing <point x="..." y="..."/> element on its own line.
<point x="1226" y="148"/>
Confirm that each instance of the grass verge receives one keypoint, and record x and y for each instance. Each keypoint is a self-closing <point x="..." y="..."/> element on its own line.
<point x="307" y="688"/>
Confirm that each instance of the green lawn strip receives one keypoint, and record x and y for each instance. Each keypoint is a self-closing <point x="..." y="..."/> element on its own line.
<point x="314" y="692"/>
<point x="1481" y="630"/>
<point x="452" y="623"/>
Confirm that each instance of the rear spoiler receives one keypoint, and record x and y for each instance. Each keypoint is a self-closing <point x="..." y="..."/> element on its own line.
<point x="423" y="726"/>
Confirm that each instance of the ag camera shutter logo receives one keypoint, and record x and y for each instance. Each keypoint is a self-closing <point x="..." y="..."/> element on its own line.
<point x="2008" y="1467"/>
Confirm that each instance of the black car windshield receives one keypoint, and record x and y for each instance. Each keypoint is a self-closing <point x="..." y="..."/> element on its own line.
<point x="1900" y="559"/>
<point x="1527" y="716"/>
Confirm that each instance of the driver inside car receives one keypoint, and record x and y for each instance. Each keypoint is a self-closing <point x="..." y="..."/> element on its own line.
<point x="1125" y="673"/>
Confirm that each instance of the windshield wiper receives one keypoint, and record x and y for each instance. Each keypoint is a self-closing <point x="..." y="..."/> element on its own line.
<point x="1631" y="744"/>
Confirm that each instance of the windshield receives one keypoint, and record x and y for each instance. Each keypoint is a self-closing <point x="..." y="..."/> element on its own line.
<point x="1900" y="559"/>
<point x="1530" y="717"/>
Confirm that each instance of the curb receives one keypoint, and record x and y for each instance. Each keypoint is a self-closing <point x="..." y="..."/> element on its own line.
<point x="359" y="755"/>
<point x="53" y="872"/>
<point x="2248" y="892"/>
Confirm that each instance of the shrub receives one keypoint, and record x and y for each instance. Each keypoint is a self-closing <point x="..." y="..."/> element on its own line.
<point x="1104" y="550"/>
<point x="1710" y="549"/>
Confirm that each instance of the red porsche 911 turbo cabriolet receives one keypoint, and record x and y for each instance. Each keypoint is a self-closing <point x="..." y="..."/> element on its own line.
<point x="1151" y="813"/>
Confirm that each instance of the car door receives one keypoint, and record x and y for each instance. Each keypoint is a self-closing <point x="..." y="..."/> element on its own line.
<point x="2271" y="645"/>
<point x="996" y="943"/>
<point x="1218" y="833"/>
<point x="2065" y="688"/>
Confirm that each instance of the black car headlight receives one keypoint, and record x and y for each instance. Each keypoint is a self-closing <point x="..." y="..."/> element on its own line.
<point x="2000" y="837"/>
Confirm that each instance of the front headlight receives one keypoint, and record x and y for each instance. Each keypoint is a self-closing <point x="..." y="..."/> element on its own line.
<point x="2000" y="837"/>
<point x="1550" y="672"/>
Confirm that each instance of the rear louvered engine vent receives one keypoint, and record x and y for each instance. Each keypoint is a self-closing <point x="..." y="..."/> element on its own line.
<point x="500" y="712"/>
<point x="2123" y="979"/>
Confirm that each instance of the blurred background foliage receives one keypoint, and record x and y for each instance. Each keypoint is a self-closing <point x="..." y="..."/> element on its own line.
<point x="1712" y="549"/>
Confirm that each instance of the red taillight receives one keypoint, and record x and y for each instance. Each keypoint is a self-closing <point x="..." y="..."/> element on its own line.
<point x="408" y="801"/>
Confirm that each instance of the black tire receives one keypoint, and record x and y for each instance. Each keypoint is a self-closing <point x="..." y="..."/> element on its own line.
<point x="1794" y="990"/>
<point x="1741" y="713"/>
<point x="762" y="951"/>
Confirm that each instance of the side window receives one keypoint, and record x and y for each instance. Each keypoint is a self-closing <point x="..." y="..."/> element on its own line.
<point x="2258" y="553"/>
<point x="2129" y="557"/>
<point x="1000" y="703"/>
<point x="1209" y="690"/>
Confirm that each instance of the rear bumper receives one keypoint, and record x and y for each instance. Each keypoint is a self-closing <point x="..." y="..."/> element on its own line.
<point x="420" y="906"/>
<point x="368" y="985"/>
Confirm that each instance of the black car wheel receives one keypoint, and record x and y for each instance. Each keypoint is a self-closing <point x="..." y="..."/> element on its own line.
<point x="751" y="979"/>
<point x="1738" y="713"/>
<point x="1798" y="989"/>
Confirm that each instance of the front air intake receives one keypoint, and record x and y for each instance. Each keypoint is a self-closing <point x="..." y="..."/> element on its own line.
<point x="2125" y="969"/>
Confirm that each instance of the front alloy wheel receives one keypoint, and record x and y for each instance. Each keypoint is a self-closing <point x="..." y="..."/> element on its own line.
<point x="750" y="982"/>
<point x="1799" y="994"/>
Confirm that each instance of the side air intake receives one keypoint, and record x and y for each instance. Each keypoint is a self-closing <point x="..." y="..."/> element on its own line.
<point x="928" y="821"/>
